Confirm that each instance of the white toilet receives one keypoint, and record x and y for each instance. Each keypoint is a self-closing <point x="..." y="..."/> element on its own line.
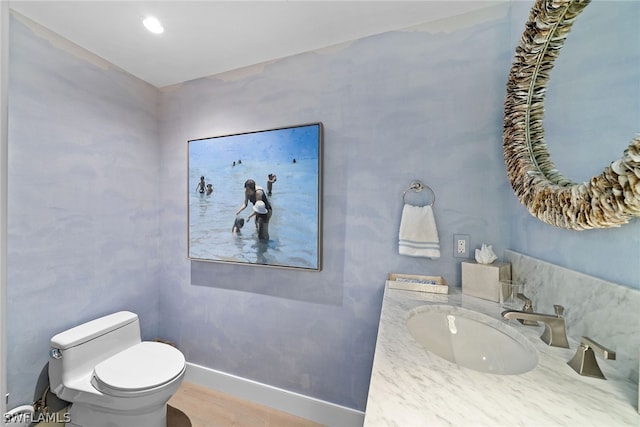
<point x="111" y="377"/>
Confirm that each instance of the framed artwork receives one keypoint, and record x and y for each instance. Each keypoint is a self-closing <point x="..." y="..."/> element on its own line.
<point x="255" y="198"/>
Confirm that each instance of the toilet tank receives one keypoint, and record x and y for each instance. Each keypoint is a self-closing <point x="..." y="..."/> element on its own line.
<point x="76" y="351"/>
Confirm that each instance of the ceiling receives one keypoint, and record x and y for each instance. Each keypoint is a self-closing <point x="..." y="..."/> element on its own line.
<point x="203" y="38"/>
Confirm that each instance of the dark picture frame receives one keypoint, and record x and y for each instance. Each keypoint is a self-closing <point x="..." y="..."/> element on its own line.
<point x="255" y="198"/>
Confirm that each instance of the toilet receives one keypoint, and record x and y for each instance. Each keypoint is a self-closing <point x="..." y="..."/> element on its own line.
<point x="111" y="377"/>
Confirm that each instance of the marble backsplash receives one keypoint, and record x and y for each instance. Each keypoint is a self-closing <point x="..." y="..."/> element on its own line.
<point x="601" y="310"/>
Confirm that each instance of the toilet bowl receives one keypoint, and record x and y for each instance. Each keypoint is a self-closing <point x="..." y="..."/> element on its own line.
<point x="111" y="377"/>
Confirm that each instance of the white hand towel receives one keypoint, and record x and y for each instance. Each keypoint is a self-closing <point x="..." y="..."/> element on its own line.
<point x="418" y="232"/>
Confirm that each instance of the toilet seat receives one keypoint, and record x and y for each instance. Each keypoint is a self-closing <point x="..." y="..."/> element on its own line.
<point x="142" y="367"/>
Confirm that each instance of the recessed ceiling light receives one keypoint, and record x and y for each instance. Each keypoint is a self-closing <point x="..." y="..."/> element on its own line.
<point x="153" y="25"/>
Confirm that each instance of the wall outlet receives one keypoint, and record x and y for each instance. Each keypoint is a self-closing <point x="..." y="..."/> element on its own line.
<point x="461" y="245"/>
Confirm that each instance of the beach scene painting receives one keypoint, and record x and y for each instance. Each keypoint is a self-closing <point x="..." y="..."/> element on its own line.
<point x="255" y="198"/>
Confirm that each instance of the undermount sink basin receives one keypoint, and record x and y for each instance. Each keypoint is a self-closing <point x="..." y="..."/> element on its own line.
<point x="472" y="340"/>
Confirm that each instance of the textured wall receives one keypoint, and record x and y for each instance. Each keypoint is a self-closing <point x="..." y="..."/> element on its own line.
<point x="83" y="197"/>
<point x="4" y="83"/>
<point x="395" y="107"/>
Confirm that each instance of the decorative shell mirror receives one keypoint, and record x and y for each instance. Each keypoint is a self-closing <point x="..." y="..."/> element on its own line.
<point x="606" y="200"/>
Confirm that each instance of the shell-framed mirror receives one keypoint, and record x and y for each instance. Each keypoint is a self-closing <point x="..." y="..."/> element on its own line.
<point x="609" y="199"/>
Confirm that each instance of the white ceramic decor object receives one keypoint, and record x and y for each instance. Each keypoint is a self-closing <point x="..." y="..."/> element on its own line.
<point x="485" y="254"/>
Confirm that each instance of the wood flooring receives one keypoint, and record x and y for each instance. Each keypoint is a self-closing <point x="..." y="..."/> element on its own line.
<point x="196" y="406"/>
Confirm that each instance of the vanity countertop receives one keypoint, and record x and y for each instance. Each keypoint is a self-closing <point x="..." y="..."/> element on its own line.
<point x="413" y="387"/>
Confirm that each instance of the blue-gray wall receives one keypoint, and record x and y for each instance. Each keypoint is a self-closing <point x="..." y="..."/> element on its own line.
<point x="395" y="107"/>
<point x="109" y="226"/>
<point x="83" y="220"/>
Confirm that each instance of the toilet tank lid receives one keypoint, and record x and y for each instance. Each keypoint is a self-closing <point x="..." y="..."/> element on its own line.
<point x="87" y="331"/>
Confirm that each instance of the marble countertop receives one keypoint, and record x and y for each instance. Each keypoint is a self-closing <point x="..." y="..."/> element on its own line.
<point x="413" y="387"/>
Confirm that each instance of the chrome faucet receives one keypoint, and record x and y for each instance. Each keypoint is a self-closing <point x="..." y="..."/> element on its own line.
<point x="555" y="332"/>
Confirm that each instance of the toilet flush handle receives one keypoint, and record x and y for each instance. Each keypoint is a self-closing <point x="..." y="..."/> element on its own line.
<point x="55" y="353"/>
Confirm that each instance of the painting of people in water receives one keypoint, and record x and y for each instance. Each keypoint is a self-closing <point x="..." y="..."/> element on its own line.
<point x="255" y="197"/>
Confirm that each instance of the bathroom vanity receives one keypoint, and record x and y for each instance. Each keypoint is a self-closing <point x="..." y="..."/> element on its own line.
<point x="411" y="386"/>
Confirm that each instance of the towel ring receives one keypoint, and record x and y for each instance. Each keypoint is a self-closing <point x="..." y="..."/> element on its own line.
<point x="417" y="187"/>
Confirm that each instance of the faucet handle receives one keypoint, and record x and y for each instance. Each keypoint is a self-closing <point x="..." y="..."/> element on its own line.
<point x="584" y="361"/>
<point x="528" y="305"/>
<point x="604" y="352"/>
<point x="558" y="309"/>
<point x="527" y="308"/>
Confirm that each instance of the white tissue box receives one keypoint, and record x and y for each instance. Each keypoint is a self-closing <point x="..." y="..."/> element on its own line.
<point x="413" y="282"/>
<point x="483" y="280"/>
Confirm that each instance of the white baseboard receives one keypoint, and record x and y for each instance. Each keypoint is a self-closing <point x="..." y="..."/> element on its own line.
<point x="313" y="409"/>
